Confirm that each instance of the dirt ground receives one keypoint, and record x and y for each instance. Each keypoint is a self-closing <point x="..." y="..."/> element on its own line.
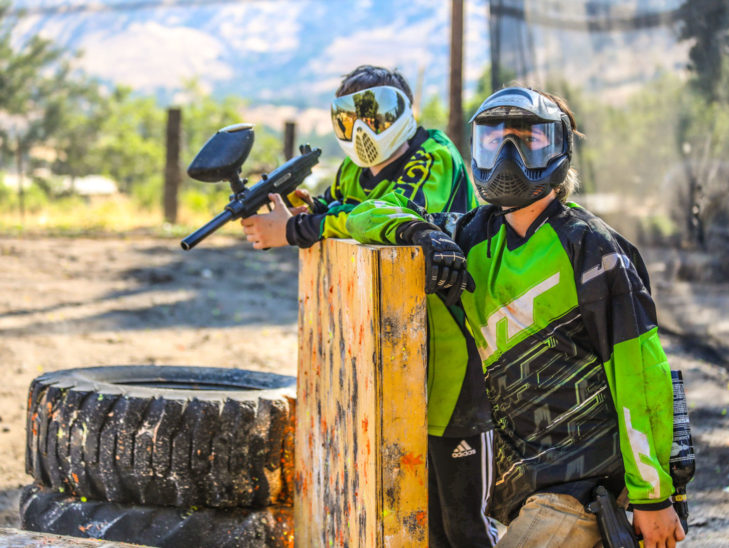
<point x="81" y="302"/>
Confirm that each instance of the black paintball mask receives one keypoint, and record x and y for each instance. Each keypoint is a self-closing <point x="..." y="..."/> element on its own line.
<point x="521" y="147"/>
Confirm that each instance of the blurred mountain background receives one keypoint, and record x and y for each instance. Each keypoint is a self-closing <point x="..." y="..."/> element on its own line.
<point x="282" y="53"/>
<point x="86" y="86"/>
<point x="293" y="53"/>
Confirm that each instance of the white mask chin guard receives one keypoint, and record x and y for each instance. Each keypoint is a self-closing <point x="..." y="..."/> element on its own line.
<point x="367" y="149"/>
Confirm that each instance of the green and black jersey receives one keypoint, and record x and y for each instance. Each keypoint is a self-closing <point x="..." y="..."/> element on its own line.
<point x="563" y="318"/>
<point x="433" y="175"/>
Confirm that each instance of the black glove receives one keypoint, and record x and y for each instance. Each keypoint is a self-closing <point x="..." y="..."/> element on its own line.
<point x="445" y="265"/>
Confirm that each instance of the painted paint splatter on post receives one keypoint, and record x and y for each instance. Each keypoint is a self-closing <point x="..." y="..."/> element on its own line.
<point x="410" y="462"/>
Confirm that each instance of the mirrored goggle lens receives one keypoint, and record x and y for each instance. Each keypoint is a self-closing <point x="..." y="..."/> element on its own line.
<point x="537" y="142"/>
<point x="378" y="107"/>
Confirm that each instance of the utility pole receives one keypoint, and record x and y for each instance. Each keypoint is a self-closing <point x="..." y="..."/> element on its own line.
<point x="495" y="15"/>
<point x="173" y="176"/>
<point x="455" y="116"/>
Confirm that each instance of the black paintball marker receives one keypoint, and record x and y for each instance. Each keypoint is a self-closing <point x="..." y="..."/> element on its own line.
<point x="221" y="159"/>
<point x="615" y="529"/>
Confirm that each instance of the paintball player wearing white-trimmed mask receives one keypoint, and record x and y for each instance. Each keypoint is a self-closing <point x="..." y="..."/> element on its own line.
<point x="373" y="121"/>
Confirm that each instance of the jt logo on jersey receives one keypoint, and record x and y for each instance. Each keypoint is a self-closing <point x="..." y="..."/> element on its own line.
<point x="514" y="317"/>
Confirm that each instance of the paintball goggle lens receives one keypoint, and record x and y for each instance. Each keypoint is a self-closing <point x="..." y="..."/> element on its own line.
<point x="378" y="107"/>
<point x="537" y="141"/>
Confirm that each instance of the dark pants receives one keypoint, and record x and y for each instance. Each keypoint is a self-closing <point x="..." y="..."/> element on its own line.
<point x="460" y="472"/>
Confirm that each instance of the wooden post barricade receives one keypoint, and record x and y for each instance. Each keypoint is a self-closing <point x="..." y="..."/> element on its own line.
<point x="361" y="419"/>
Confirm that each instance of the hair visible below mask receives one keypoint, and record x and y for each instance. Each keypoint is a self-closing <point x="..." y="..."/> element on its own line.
<point x="370" y="76"/>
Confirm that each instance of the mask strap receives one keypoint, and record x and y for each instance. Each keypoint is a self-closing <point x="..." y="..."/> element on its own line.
<point x="500" y="213"/>
<point x="511" y="210"/>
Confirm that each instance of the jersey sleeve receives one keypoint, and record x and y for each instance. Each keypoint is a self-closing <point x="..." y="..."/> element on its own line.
<point x="326" y="218"/>
<point x="621" y="320"/>
<point x="436" y="179"/>
<point x="378" y="221"/>
<point x="305" y="229"/>
<point x="433" y="179"/>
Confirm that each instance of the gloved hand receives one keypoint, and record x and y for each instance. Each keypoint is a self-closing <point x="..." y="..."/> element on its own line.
<point x="445" y="265"/>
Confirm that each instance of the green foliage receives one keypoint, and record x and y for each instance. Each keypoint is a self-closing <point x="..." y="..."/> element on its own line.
<point x="77" y="116"/>
<point x="23" y="77"/>
<point x="31" y="80"/>
<point x="366" y="105"/>
<point x="483" y="90"/>
<point x="658" y="228"/>
<point x="46" y="103"/>
<point x="118" y="134"/>
<point x="203" y="115"/>
<point x="6" y="194"/>
<point x="267" y="151"/>
<point x="205" y="200"/>
<point x="130" y="148"/>
<point x="648" y="149"/>
<point x="434" y="114"/>
<point x="34" y="199"/>
<point x="148" y="194"/>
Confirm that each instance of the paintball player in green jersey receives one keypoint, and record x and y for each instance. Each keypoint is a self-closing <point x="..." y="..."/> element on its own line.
<point x="388" y="152"/>
<point x="565" y="324"/>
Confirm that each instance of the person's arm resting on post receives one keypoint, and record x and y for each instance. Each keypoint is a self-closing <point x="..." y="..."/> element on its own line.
<point x="384" y="221"/>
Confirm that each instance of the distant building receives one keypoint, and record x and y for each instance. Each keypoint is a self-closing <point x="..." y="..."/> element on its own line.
<point x="91" y="185"/>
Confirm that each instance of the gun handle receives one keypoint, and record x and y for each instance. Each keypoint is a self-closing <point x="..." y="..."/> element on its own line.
<point x="615" y="530"/>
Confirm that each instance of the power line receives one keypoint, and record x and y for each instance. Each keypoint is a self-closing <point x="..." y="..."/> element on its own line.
<point x="61" y="9"/>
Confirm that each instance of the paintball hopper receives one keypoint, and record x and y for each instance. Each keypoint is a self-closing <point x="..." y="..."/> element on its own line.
<point x="222" y="156"/>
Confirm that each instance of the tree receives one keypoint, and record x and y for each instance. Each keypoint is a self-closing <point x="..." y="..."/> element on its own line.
<point x="701" y="134"/>
<point x="435" y="115"/>
<point x="706" y="23"/>
<point x="47" y="102"/>
<point x="130" y="147"/>
<point x="203" y="115"/>
<point x="76" y="115"/>
<point x="27" y="80"/>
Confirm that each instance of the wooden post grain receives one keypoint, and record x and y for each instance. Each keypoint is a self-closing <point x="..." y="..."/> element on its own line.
<point x="361" y="420"/>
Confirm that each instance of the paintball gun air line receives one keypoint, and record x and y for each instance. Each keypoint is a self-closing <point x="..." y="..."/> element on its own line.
<point x="615" y="530"/>
<point x="221" y="158"/>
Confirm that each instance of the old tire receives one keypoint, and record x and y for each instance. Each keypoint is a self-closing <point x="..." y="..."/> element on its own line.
<point x="163" y="436"/>
<point x="46" y="511"/>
